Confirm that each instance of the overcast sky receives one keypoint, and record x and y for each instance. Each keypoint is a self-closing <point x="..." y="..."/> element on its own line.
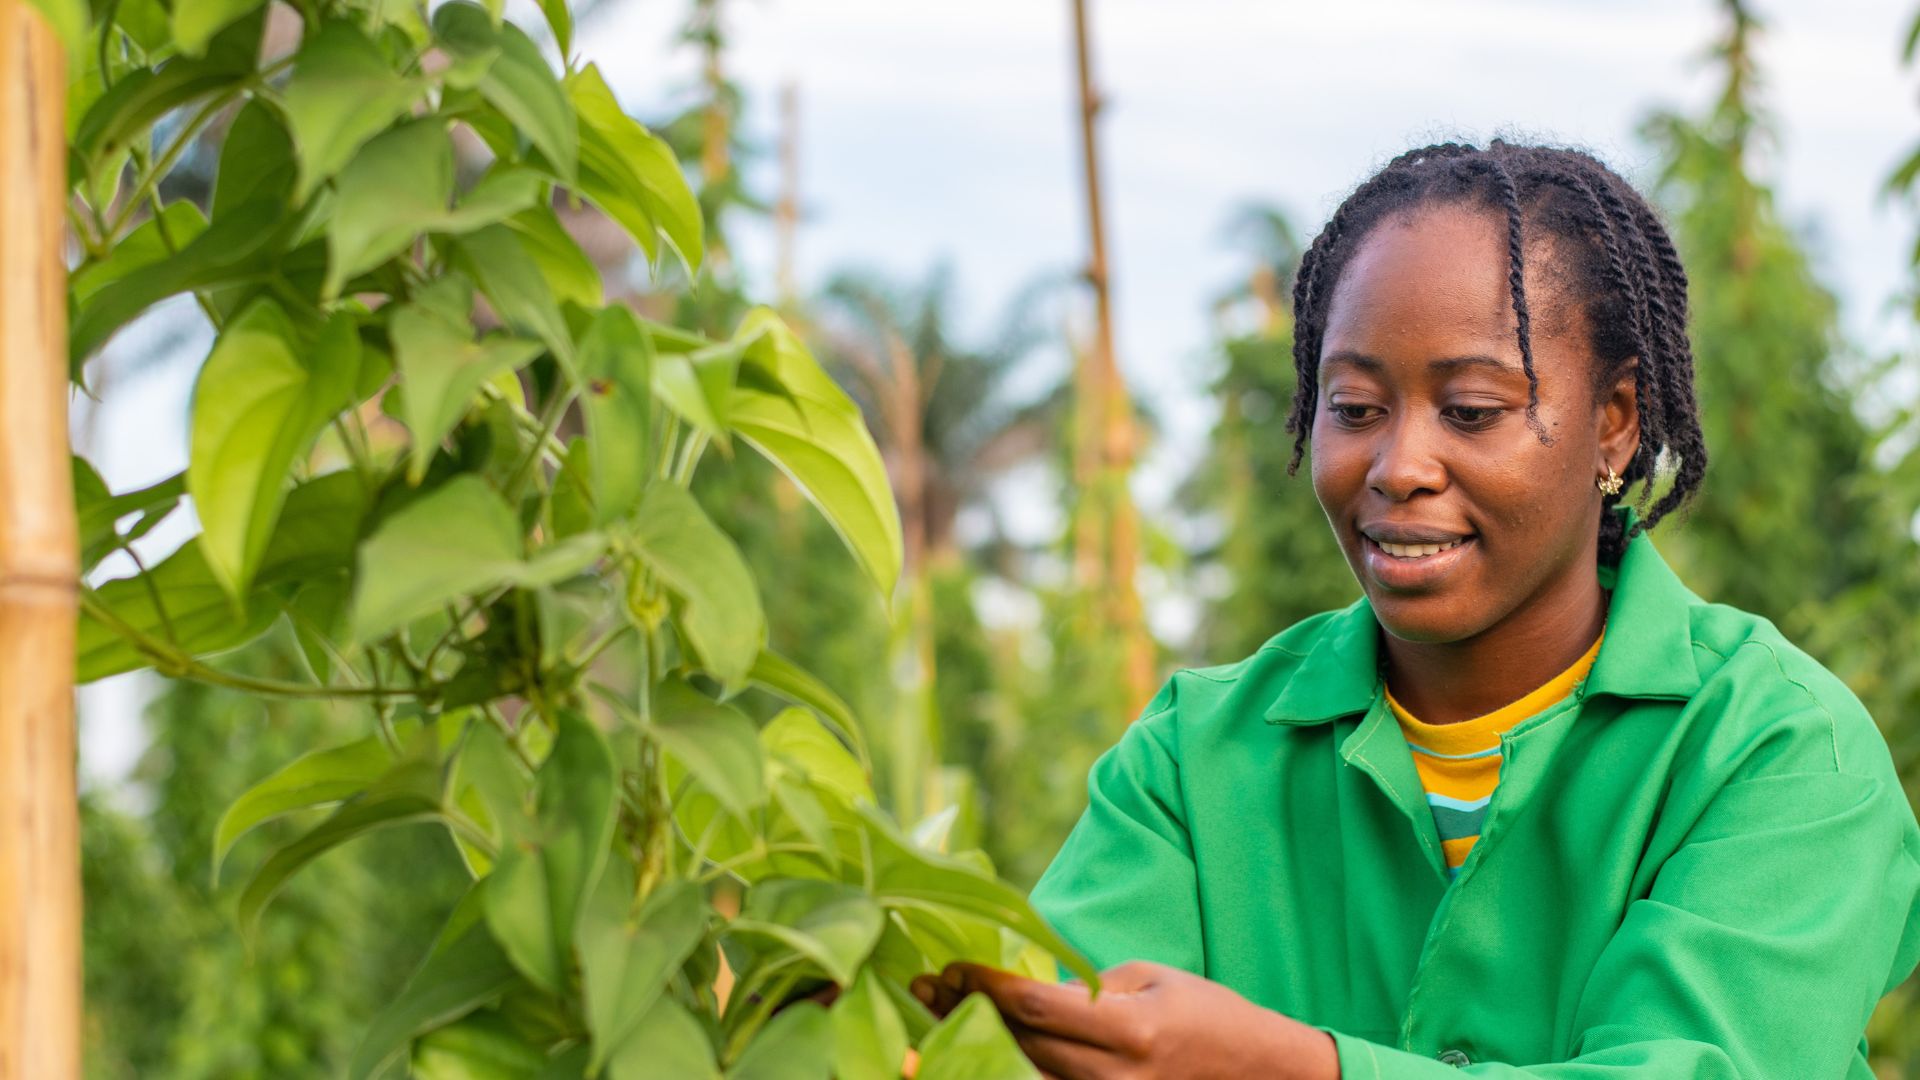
<point x="945" y="131"/>
<point x="936" y="131"/>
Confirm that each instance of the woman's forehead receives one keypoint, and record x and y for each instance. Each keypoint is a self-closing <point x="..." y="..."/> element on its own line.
<point x="1436" y="281"/>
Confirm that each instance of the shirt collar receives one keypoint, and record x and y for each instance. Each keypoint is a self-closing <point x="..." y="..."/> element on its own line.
<point x="1647" y="653"/>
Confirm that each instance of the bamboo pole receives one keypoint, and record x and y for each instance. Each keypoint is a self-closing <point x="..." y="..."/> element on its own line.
<point x="1115" y="409"/>
<point x="39" y="815"/>
<point x="716" y="128"/>
<point x="786" y="212"/>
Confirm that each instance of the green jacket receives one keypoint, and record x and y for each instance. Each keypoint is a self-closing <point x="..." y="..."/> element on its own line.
<point x="1700" y="864"/>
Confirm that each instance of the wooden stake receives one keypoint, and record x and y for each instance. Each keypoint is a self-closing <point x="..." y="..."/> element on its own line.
<point x="716" y="129"/>
<point x="786" y="212"/>
<point x="39" y="570"/>
<point x="1115" y="407"/>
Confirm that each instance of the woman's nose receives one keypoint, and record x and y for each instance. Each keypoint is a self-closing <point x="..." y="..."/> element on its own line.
<point x="1405" y="463"/>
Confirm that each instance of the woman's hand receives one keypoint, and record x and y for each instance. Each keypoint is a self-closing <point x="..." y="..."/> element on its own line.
<point x="1149" y="1021"/>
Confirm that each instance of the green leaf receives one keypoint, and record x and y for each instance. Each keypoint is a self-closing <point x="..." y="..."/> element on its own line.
<point x="407" y="793"/>
<point x="442" y="367"/>
<point x="717" y="743"/>
<point x="314" y="779"/>
<point x="802" y="809"/>
<point x="261" y="399"/>
<point x="569" y="274"/>
<point x="570" y="506"/>
<point x="479" y="1046"/>
<point x="142" y="247"/>
<point x="560" y="21"/>
<point x="490" y="771"/>
<point x="906" y="877"/>
<point x="721" y="613"/>
<point x="633" y="175"/>
<point x="616" y="366"/>
<point x="391" y="191"/>
<point x="972" y="1044"/>
<point x="199" y="616"/>
<point x="831" y="924"/>
<point x="99" y="511"/>
<point x="318" y="615"/>
<point x="869" y="1038"/>
<point x="667" y="1041"/>
<point x="504" y="191"/>
<point x="498" y="262"/>
<point x="698" y="386"/>
<point x="468" y="972"/>
<point x="917" y="1018"/>
<point x="515" y="79"/>
<point x="342" y="93"/>
<point x="776" y="673"/>
<point x="229" y="250"/>
<point x="539" y="884"/>
<point x="626" y="958"/>
<point x="815" y="434"/>
<point x="196" y="21"/>
<point x="397" y="188"/>
<point x="250" y="227"/>
<point x="121" y="115"/>
<point x="318" y="526"/>
<point x="797" y="737"/>
<point x="257" y="162"/>
<point x="414" y="564"/>
<point x="797" y="1044"/>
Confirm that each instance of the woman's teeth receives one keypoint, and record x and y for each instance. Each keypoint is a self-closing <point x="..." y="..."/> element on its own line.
<point x="1415" y="551"/>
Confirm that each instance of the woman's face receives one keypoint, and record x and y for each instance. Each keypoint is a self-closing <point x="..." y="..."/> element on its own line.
<point x="1451" y="511"/>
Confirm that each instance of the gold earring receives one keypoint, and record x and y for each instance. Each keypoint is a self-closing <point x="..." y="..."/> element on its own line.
<point x="1610" y="484"/>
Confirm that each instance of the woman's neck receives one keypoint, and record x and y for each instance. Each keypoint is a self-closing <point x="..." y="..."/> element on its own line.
<point x="1447" y="682"/>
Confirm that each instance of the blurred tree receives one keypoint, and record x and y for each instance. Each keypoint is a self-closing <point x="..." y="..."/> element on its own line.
<point x="1272" y="560"/>
<point x="172" y="990"/>
<point x="947" y="427"/>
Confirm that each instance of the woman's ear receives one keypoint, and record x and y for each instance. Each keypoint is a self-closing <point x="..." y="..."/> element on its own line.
<point x="1620" y="420"/>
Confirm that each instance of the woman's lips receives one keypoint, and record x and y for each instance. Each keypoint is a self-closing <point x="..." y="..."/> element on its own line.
<point x="1419" y="566"/>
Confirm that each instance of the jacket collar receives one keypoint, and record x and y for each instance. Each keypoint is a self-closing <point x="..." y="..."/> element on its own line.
<point x="1648" y="651"/>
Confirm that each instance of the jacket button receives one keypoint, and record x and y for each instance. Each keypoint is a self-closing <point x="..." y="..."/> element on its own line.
<point x="1454" y="1058"/>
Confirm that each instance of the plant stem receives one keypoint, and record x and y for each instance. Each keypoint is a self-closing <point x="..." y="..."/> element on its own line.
<point x="690" y="452"/>
<point x="759" y="851"/>
<point x="656" y="820"/>
<point x="507" y="732"/>
<point x="607" y="639"/>
<point x="153" y="590"/>
<point x="178" y="664"/>
<point x="770" y="998"/>
<point x="550" y="415"/>
<point x="150" y="180"/>
<point x="471" y="832"/>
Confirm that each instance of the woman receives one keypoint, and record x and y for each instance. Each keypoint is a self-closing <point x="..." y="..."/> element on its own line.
<point x="1529" y="807"/>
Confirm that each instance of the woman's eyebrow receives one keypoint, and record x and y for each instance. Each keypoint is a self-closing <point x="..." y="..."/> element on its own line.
<point x="1455" y="363"/>
<point x="1445" y="363"/>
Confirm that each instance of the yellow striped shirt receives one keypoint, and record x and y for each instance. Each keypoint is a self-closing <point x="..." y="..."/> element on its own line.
<point x="1459" y="764"/>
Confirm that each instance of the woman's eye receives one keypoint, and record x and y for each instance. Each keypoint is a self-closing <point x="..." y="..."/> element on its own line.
<point x="1474" y="416"/>
<point x="1351" y="414"/>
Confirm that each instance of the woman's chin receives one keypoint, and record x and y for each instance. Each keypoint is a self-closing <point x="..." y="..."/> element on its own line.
<point x="1428" y="620"/>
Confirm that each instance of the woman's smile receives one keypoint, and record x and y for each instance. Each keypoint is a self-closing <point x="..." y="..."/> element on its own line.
<point x="1420" y="564"/>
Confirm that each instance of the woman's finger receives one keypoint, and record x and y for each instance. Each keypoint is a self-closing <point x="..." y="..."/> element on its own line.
<point x="1061" y="1058"/>
<point x="939" y="998"/>
<point x="1053" y="1008"/>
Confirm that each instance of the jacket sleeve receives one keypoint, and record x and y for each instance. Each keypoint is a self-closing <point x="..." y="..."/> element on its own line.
<point x="1767" y="938"/>
<point x="1123" y="887"/>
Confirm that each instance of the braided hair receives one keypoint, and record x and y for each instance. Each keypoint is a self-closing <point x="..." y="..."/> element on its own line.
<point x="1613" y="253"/>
